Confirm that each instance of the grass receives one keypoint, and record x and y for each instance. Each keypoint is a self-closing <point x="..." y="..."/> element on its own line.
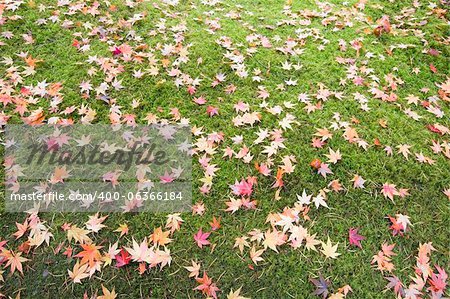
<point x="283" y="275"/>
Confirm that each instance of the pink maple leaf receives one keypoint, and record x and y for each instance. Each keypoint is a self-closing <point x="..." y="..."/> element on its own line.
<point x="166" y="178"/>
<point x="389" y="190"/>
<point x="200" y="100"/>
<point x="191" y="90"/>
<point x="212" y="111"/>
<point x="396" y="284"/>
<point x="244" y="188"/>
<point x="201" y="238"/>
<point x="324" y="170"/>
<point x="438" y="282"/>
<point x="112" y="177"/>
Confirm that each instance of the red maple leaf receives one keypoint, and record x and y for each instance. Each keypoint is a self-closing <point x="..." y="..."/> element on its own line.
<point x="123" y="258"/>
<point x="433" y="68"/>
<point x="206" y="286"/>
<point x="396" y="227"/>
<point x="354" y="238"/>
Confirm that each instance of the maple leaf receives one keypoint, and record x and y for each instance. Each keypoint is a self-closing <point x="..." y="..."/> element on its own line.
<point x="236" y="294"/>
<point x="14" y="260"/>
<point x="198" y="208"/>
<point x="161" y="257"/>
<point x="389" y="191"/>
<point x="215" y="223"/>
<point x="243" y="188"/>
<point x="66" y="226"/>
<point x="255" y="255"/>
<point x="59" y="175"/>
<point x="25" y="247"/>
<point x="411" y="292"/>
<point x="404" y="150"/>
<point x="206" y="286"/>
<point x="95" y="223"/>
<point x="211" y="111"/>
<point x="68" y="252"/>
<point x="319" y="200"/>
<point x="330" y="250"/>
<point x="78" y="234"/>
<point x="404" y="220"/>
<point x="107" y="294"/>
<point x="159" y="237"/>
<point x="123" y="258"/>
<point x="334" y="156"/>
<point x="142" y="268"/>
<point x="272" y="239"/>
<point x="345" y="290"/>
<point x="21" y="229"/>
<point x="201" y="238"/>
<point x="311" y="242"/>
<point x="396" y="284"/>
<point x="324" y="134"/>
<point x="233" y="205"/>
<point x="200" y="100"/>
<point x="279" y="179"/>
<point x="321" y="285"/>
<point x="166" y="178"/>
<point x="122" y="229"/>
<point x="194" y="270"/>
<point x="139" y="252"/>
<point x="304" y="199"/>
<point x="438" y="281"/>
<point x="335" y="185"/>
<point x="174" y="222"/>
<point x="324" y="170"/>
<point x="396" y="227"/>
<point x="387" y="249"/>
<point x="354" y="238"/>
<point x="90" y="254"/>
<point x="111" y="254"/>
<point x="79" y="272"/>
<point x="241" y="242"/>
<point x="358" y="182"/>
<point x="298" y="234"/>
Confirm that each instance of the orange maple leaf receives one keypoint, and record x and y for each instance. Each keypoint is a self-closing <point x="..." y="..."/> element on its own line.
<point x="21" y="229"/>
<point x="159" y="237"/>
<point x="31" y="61"/>
<point x="14" y="260"/>
<point x="59" y="175"/>
<point x="90" y="254"/>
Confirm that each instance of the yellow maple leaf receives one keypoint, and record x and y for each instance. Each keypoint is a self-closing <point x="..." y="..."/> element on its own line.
<point x="122" y="229"/>
<point x="330" y="250"/>
<point x="236" y="294"/>
<point x="78" y="234"/>
<point x="79" y="272"/>
<point x="255" y="255"/>
<point x="107" y="294"/>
